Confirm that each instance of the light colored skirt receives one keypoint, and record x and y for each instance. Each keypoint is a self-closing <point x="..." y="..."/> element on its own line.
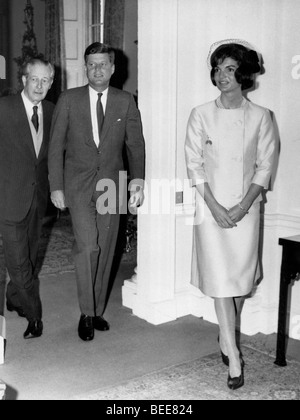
<point x="225" y="261"/>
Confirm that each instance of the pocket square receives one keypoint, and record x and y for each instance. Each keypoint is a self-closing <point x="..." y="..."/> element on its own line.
<point x="119" y="120"/>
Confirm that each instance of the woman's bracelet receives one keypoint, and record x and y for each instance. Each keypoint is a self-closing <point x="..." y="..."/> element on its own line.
<point x="242" y="208"/>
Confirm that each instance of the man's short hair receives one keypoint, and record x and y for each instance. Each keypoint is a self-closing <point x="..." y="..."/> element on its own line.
<point x="99" y="48"/>
<point x="37" y="60"/>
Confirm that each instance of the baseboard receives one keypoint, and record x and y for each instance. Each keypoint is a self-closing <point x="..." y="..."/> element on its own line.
<point x="186" y="302"/>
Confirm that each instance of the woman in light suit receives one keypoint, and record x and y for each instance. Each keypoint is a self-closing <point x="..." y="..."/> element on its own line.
<point x="230" y="146"/>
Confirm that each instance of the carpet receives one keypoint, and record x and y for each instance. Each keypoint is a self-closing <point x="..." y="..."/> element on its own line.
<point x="55" y="252"/>
<point x="56" y="247"/>
<point x="206" y="379"/>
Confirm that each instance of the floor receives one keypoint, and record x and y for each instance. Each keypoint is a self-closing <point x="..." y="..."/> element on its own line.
<point x="59" y="366"/>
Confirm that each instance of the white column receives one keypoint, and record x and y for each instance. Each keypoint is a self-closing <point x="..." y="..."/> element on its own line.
<point x="152" y="298"/>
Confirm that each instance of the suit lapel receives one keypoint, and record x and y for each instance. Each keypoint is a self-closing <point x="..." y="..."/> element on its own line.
<point x="23" y="126"/>
<point x="85" y="111"/>
<point x="110" y="113"/>
<point x="46" y="129"/>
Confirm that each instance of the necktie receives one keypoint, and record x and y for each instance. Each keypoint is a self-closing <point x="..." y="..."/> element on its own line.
<point x="100" y="114"/>
<point x="35" y="118"/>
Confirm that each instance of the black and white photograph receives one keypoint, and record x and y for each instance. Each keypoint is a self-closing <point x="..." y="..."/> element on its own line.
<point x="149" y="203"/>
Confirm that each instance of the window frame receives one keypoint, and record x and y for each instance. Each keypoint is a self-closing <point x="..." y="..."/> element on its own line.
<point x="96" y="21"/>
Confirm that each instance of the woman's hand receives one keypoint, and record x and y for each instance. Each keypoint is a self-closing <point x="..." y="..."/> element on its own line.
<point x="236" y="214"/>
<point x="221" y="216"/>
<point x="219" y="212"/>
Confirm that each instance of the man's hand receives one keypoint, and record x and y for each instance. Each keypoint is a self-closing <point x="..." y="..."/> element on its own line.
<point x="58" y="199"/>
<point x="136" y="200"/>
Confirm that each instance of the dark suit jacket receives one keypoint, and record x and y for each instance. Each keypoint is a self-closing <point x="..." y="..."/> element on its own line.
<point x="84" y="164"/>
<point x="21" y="172"/>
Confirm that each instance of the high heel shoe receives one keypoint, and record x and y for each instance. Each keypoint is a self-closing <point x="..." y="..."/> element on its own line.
<point x="237" y="382"/>
<point x="225" y="359"/>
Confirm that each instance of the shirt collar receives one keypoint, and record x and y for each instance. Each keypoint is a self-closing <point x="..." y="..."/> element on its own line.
<point x="28" y="104"/>
<point x="95" y="94"/>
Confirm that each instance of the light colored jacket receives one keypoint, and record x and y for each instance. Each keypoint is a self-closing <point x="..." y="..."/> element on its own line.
<point x="230" y="149"/>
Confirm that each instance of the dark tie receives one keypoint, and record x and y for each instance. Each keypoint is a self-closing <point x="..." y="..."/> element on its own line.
<point x="35" y="118"/>
<point x="100" y="114"/>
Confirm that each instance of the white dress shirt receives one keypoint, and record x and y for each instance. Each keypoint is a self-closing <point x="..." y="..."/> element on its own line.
<point x="93" y="102"/>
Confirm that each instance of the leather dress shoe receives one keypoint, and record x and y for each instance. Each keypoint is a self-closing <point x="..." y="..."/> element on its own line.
<point x="100" y="324"/>
<point x="34" y="330"/>
<point x="18" y="309"/>
<point x="86" y="328"/>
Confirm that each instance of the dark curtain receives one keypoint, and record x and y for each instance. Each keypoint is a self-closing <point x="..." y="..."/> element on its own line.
<point x="114" y="36"/>
<point x="55" y="46"/>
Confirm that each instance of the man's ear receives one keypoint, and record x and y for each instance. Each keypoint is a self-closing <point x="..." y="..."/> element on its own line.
<point x="24" y="80"/>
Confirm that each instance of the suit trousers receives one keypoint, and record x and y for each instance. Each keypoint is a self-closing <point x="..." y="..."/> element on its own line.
<point x="93" y="252"/>
<point x="20" y="243"/>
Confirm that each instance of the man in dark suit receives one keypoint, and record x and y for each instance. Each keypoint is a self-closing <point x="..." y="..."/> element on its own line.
<point x="91" y="125"/>
<point x="25" y="121"/>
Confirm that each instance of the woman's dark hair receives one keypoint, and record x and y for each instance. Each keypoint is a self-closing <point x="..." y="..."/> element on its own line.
<point x="248" y="63"/>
